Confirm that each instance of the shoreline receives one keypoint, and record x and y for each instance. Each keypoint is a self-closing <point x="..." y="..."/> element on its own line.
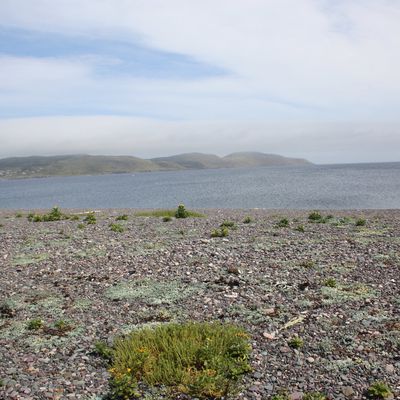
<point x="334" y="284"/>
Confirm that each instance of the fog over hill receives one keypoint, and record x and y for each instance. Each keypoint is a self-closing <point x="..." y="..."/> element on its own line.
<point x="65" y="165"/>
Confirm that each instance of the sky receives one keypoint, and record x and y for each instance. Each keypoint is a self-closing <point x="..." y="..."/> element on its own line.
<point x="317" y="79"/>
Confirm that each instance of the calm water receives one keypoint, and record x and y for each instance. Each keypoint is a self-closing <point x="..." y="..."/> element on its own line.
<point x="310" y="187"/>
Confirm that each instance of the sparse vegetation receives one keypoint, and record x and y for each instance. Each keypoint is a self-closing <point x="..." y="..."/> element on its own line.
<point x="167" y="213"/>
<point x="103" y="350"/>
<point x="247" y="220"/>
<point x="117" y="228"/>
<point x="300" y="228"/>
<point x="330" y="282"/>
<point x="296" y="342"/>
<point x="315" y="216"/>
<point x="307" y="264"/>
<point x="314" y="396"/>
<point x="283" y="223"/>
<point x="35" y="324"/>
<point x="18" y="215"/>
<point x="167" y="219"/>
<point x="54" y="215"/>
<point x="379" y="390"/>
<point x="123" y="217"/>
<point x="228" y="224"/>
<point x="361" y="222"/>
<point x="81" y="226"/>
<point x="204" y="360"/>
<point x="222" y="232"/>
<point x="90" y="218"/>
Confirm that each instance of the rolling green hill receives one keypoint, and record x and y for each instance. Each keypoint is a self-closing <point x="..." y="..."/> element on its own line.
<point x="67" y="165"/>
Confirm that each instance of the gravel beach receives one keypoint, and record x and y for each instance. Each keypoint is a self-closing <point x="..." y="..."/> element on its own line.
<point x="335" y="285"/>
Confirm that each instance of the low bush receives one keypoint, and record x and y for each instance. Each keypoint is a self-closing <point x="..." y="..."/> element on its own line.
<point x="330" y="282"/>
<point x="222" y="232"/>
<point x="228" y="224"/>
<point x="90" y="218"/>
<point x="35" y="324"/>
<point x="204" y="360"/>
<point x="315" y="216"/>
<point x="181" y="212"/>
<point x="247" y="220"/>
<point x="300" y="228"/>
<point x="283" y="223"/>
<point x="361" y="222"/>
<point x="167" y="213"/>
<point x="54" y="215"/>
<point x="295" y="342"/>
<point x="167" y="219"/>
<point x="379" y="390"/>
<point x="122" y="217"/>
<point x="117" y="228"/>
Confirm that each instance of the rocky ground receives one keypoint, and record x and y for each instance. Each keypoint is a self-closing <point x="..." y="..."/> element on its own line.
<point x="335" y="285"/>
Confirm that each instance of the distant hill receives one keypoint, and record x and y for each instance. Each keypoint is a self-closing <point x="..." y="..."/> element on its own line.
<point x="41" y="166"/>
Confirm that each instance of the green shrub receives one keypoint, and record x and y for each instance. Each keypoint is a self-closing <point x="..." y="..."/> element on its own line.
<point x="181" y="212"/>
<point x="228" y="224"/>
<point x="280" y="397"/>
<point x="283" y="223"/>
<point x="74" y="217"/>
<point x="103" y="350"/>
<point x="18" y="215"/>
<point x="63" y="326"/>
<point x="300" y="228"/>
<point x="35" y="324"/>
<point x="54" y="215"/>
<point x="122" y="217"/>
<point x="307" y="264"/>
<point x="117" y="228"/>
<point x="379" y="390"/>
<point x="202" y="360"/>
<point x="361" y="222"/>
<point x="81" y="226"/>
<point x="330" y="282"/>
<point x="90" y="218"/>
<point x="295" y="342"/>
<point x="247" y="220"/>
<point x="314" y="396"/>
<point x="167" y="219"/>
<point x="222" y="232"/>
<point x="315" y="216"/>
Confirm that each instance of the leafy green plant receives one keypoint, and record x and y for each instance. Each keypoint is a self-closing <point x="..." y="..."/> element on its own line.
<point x="283" y="223"/>
<point x="35" y="324"/>
<point x="300" y="228"/>
<point x="181" y="212"/>
<point x="74" y="217"/>
<point x="117" y="228"/>
<point x="123" y="217"/>
<point x="228" y="224"/>
<point x="281" y="396"/>
<point x="315" y="216"/>
<point x="18" y="215"/>
<point x="81" y="226"/>
<point x="314" y="396"/>
<point x="204" y="360"/>
<point x="63" y="326"/>
<point x="103" y="350"/>
<point x="296" y="342"/>
<point x="167" y="219"/>
<point x="54" y="215"/>
<point x="247" y="220"/>
<point x="379" y="390"/>
<point x="361" y="222"/>
<point x="90" y="218"/>
<point x="330" y="282"/>
<point x="222" y="232"/>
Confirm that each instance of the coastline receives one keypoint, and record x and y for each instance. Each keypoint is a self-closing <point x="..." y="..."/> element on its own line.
<point x="262" y="276"/>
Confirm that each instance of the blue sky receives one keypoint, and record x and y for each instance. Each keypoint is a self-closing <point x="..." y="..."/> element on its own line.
<point x="304" y="78"/>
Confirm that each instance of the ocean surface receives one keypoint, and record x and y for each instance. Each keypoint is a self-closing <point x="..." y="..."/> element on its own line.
<point x="345" y="186"/>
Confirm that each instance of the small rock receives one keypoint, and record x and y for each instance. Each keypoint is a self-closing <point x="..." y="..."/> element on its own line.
<point x="348" y="391"/>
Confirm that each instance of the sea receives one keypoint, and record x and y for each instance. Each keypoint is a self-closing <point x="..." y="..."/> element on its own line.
<point x="341" y="186"/>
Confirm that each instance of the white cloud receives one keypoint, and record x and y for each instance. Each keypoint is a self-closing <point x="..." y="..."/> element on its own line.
<point x="331" y="62"/>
